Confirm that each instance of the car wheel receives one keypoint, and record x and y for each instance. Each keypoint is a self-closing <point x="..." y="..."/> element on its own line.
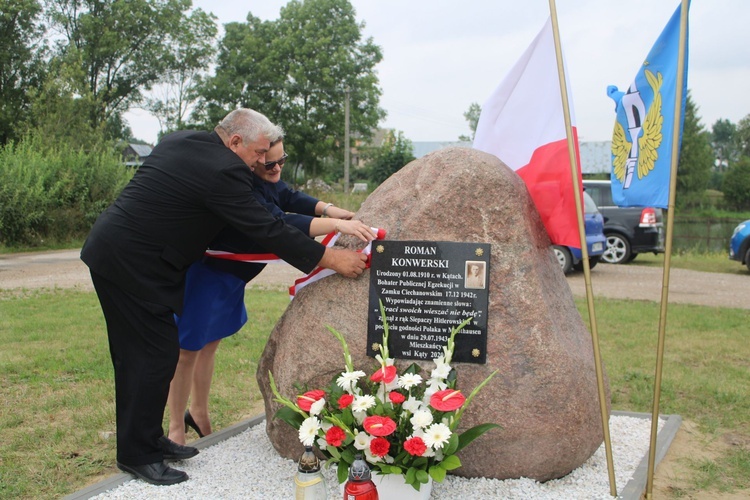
<point x="632" y="257"/>
<point x="747" y="259"/>
<point x="593" y="261"/>
<point x="564" y="258"/>
<point x="618" y="249"/>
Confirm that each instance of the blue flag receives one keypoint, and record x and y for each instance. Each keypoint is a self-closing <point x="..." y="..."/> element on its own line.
<point x="642" y="139"/>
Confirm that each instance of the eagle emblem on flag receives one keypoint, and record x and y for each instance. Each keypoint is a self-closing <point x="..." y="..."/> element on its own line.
<point x="635" y="142"/>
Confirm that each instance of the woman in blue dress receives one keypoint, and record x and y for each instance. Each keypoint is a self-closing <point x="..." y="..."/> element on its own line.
<point x="214" y="306"/>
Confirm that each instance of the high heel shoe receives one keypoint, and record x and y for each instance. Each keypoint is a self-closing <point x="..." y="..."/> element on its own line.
<point x="189" y="422"/>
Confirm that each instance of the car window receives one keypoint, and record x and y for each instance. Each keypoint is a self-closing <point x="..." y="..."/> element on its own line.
<point x="601" y="194"/>
<point x="589" y="207"/>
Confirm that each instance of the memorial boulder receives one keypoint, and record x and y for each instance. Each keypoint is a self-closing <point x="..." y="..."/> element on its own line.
<point x="544" y="394"/>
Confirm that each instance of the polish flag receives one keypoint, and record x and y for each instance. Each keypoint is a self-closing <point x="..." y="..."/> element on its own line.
<point x="522" y="123"/>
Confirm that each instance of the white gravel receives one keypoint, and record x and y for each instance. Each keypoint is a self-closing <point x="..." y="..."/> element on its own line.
<point x="246" y="466"/>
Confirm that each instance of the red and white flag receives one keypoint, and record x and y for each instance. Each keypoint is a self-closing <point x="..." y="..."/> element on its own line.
<point x="522" y="123"/>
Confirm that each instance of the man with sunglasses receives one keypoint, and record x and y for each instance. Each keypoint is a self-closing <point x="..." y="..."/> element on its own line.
<point x="192" y="186"/>
<point x="215" y="290"/>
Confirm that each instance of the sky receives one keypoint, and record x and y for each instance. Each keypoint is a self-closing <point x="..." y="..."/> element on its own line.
<point x="439" y="56"/>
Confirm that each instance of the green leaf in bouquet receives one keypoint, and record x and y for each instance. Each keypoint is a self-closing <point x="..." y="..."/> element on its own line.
<point x="411" y="475"/>
<point x="413" y="369"/>
<point x="470" y="435"/>
<point x="333" y="451"/>
<point x="420" y="462"/>
<point x="347" y="456"/>
<point x="450" y="462"/>
<point x="289" y="416"/>
<point x="342" y="473"/>
<point x="423" y="477"/>
<point x="437" y="473"/>
<point x="452" y="446"/>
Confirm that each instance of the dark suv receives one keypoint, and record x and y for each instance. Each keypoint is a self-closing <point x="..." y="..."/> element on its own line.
<point x="629" y="230"/>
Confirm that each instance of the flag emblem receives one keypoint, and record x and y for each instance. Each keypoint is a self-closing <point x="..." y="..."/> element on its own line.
<point x="635" y="143"/>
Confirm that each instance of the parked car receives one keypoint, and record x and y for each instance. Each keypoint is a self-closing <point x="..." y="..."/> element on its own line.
<point x="739" y="245"/>
<point x="571" y="258"/>
<point x="629" y="230"/>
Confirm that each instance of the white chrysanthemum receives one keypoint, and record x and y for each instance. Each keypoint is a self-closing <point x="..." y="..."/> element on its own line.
<point x="412" y="404"/>
<point x="421" y="419"/>
<point x="317" y="406"/>
<point x="409" y="380"/>
<point x="436" y="435"/>
<point x="348" y="380"/>
<point x="308" y="430"/>
<point x="363" y="403"/>
<point x="362" y="441"/>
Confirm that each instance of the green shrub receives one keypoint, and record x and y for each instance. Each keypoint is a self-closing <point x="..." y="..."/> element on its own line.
<point x="54" y="192"/>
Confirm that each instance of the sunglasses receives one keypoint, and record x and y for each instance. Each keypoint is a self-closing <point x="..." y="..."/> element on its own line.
<point x="271" y="164"/>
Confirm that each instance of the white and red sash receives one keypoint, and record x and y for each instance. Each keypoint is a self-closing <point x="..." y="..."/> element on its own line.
<point x="314" y="275"/>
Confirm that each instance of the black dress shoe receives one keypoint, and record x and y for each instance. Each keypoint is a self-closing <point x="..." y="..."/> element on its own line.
<point x="157" y="473"/>
<point x="174" y="451"/>
<point x="189" y="422"/>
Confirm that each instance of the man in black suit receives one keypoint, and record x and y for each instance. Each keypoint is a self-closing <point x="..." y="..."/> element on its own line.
<point x="191" y="186"/>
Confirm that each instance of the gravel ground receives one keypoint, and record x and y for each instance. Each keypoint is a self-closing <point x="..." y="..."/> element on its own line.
<point x="63" y="269"/>
<point x="247" y="467"/>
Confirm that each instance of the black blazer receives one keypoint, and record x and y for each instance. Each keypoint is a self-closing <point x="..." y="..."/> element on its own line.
<point x="186" y="191"/>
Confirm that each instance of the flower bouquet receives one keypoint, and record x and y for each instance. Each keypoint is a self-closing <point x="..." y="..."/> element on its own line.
<point x="401" y="423"/>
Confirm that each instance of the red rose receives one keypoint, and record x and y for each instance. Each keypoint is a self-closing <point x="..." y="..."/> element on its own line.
<point x="415" y="446"/>
<point x="396" y="397"/>
<point x="379" y="426"/>
<point x="447" y="400"/>
<point x="379" y="446"/>
<point x="307" y="399"/>
<point x="384" y="374"/>
<point x="345" y="400"/>
<point x="335" y="436"/>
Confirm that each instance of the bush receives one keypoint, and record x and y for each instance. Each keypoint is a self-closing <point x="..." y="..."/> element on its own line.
<point x="54" y="192"/>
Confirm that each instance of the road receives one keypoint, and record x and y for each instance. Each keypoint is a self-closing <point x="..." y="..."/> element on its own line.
<point x="63" y="269"/>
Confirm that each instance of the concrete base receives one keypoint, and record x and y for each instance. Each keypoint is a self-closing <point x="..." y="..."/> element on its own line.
<point x="633" y="490"/>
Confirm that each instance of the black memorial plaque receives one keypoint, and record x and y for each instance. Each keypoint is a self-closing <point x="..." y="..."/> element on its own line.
<point x="427" y="289"/>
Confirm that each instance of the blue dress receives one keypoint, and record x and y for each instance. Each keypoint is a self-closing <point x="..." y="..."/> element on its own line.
<point x="214" y="306"/>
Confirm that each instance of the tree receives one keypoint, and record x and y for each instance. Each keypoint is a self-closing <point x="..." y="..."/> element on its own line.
<point x="190" y="53"/>
<point x="723" y="143"/>
<point x="296" y="70"/>
<point x="118" y="47"/>
<point x="736" y="185"/>
<point x="21" y="62"/>
<point x="742" y="136"/>
<point x="395" y="152"/>
<point x="696" y="159"/>
<point x="472" y="116"/>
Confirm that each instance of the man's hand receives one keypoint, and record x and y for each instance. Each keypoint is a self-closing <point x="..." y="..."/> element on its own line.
<point x="345" y="262"/>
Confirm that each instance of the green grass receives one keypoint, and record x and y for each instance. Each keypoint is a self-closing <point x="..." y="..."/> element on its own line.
<point x="710" y="262"/>
<point x="57" y="390"/>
